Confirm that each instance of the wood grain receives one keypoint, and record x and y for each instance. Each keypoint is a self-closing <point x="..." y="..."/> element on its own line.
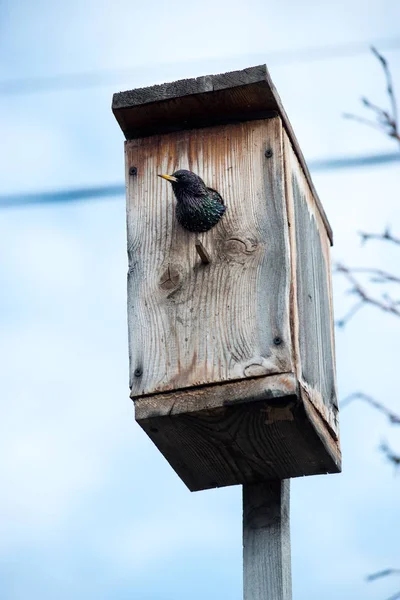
<point x="188" y="87"/>
<point x="215" y="396"/>
<point x="238" y="432"/>
<point x="193" y="103"/>
<point x="311" y="294"/>
<point x="266" y="541"/>
<point x="191" y="324"/>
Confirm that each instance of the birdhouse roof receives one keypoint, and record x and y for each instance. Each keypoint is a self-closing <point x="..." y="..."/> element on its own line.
<point x="203" y="102"/>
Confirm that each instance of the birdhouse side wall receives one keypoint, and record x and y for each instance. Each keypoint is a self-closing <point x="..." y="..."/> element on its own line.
<point x="311" y="291"/>
<point x="192" y="324"/>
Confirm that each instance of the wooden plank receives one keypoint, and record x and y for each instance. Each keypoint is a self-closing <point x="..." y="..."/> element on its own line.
<point x="243" y="95"/>
<point x="192" y="324"/>
<point x="188" y="87"/>
<point x="194" y="103"/>
<point x="294" y="313"/>
<point x="209" y="397"/>
<point x="311" y="294"/>
<point x="266" y="541"/>
<point x="239" y="432"/>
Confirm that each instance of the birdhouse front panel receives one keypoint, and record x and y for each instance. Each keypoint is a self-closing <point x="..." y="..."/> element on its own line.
<point x="190" y="323"/>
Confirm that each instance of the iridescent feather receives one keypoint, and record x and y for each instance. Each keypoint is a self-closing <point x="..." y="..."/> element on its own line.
<point x="198" y="208"/>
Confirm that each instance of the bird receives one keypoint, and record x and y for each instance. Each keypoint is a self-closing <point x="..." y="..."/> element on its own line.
<point x="198" y="207"/>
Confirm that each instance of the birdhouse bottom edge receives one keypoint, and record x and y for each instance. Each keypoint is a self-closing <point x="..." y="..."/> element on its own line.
<point x="240" y="432"/>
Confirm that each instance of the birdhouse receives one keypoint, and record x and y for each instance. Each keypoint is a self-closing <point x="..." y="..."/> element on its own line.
<point x="231" y="340"/>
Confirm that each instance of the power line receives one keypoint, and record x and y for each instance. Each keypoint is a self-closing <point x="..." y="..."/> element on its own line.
<point x="107" y="191"/>
<point x="90" y="79"/>
<point x="351" y="162"/>
<point x="61" y="196"/>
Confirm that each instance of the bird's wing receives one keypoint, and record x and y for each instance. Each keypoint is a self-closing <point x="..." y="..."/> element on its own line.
<point x="216" y="195"/>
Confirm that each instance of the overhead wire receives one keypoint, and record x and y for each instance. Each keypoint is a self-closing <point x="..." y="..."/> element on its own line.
<point x="114" y="190"/>
<point x="97" y="78"/>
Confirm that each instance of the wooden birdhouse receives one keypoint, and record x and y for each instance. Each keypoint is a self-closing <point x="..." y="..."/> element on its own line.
<point x="232" y="363"/>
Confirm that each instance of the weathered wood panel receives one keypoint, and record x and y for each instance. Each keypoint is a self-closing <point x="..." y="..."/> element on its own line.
<point x="238" y="432"/>
<point x="266" y="541"/>
<point x="191" y="324"/>
<point x="193" y="103"/>
<point x="207" y="398"/>
<point x="311" y="300"/>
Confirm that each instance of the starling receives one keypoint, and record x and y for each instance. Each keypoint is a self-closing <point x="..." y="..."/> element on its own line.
<point x="198" y="207"/>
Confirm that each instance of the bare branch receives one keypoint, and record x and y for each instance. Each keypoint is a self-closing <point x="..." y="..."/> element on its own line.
<point x="341" y="323"/>
<point x="362" y="120"/>
<point x="383" y="116"/>
<point x="377" y="275"/>
<point x="389" y="84"/>
<point x="386" y="120"/>
<point x="385" y="304"/>
<point x="384" y="573"/>
<point x="390" y="455"/>
<point x="387" y="298"/>
<point x="393" y="417"/>
<point x="385" y="236"/>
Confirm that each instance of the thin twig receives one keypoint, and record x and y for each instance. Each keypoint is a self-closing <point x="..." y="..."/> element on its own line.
<point x="385" y="236"/>
<point x="384" y="573"/>
<point x="389" y="83"/>
<point x="386" y="120"/>
<point x="383" y="115"/>
<point x="377" y="275"/>
<point x="390" y="306"/>
<point x="390" y="455"/>
<point x="393" y="417"/>
<point x="391" y="301"/>
<point x="362" y="120"/>
<point x="353" y="310"/>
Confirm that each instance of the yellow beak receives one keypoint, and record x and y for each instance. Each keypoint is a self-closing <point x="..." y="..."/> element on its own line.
<point x="169" y="177"/>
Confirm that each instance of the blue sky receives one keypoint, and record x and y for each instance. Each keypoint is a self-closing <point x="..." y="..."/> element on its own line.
<point x="89" y="508"/>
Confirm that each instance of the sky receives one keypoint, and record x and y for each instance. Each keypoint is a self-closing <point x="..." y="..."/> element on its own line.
<point x="89" y="508"/>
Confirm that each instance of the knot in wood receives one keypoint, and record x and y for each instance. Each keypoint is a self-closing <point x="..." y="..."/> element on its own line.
<point x="239" y="246"/>
<point x="255" y="370"/>
<point x="170" y="279"/>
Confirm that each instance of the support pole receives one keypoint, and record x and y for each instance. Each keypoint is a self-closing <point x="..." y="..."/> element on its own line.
<point x="266" y="541"/>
